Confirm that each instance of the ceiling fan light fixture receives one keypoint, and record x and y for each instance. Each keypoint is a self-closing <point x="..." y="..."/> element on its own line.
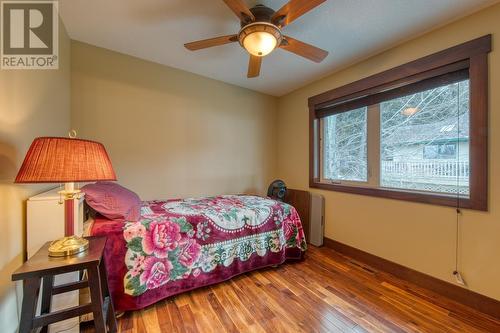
<point x="260" y="32"/>
<point x="260" y="38"/>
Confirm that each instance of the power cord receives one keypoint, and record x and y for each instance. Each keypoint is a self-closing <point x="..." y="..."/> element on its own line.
<point x="458" y="277"/>
<point x="456" y="273"/>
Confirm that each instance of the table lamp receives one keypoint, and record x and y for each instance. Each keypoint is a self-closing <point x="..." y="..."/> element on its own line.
<point x="66" y="160"/>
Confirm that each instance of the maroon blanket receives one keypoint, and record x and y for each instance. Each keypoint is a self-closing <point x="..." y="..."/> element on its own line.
<point x="179" y="245"/>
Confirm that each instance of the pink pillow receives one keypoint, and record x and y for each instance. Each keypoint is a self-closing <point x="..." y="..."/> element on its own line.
<point x="113" y="201"/>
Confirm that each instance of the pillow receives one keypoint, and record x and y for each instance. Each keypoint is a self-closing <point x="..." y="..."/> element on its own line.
<point x="113" y="201"/>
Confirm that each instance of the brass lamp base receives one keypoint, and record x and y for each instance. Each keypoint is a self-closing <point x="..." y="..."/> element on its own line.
<point x="68" y="246"/>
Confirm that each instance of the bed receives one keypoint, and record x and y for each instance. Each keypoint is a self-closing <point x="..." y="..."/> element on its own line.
<point x="183" y="244"/>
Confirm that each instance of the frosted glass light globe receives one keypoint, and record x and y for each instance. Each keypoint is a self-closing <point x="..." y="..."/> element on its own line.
<point x="260" y="43"/>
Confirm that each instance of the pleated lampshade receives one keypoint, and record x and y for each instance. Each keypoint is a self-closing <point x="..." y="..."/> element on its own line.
<point x="65" y="160"/>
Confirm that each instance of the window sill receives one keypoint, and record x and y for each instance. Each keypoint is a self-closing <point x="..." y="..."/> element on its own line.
<point x="428" y="198"/>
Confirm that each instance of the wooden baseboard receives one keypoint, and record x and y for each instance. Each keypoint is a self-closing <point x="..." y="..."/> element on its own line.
<point x="467" y="297"/>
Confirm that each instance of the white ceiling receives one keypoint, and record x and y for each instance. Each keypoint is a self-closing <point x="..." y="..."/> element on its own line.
<point x="350" y="30"/>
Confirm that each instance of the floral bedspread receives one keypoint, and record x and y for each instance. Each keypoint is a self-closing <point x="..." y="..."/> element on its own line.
<point x="177" y="242"/>
<point x="179" y="245"/>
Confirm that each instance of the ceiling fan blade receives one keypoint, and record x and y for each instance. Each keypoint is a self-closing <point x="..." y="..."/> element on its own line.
<point x="293" y="10"/>
<point x="254" y="66"/>
<point x="216" y="41"/>
<point x="303" y="49"/>
<point x="241" y="10"/>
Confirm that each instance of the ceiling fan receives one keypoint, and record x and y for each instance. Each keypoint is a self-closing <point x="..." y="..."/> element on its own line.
<point x="260" y="32"/>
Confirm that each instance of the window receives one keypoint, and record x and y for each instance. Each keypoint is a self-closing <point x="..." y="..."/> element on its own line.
<point x="434" y="121"/>
<point x="417" y="132"/>
<point x="441" y="151"/>
<point x="345" y="146"/>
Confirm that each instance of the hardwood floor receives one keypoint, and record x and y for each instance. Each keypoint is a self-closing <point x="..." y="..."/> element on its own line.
<point x="326" y="292"/>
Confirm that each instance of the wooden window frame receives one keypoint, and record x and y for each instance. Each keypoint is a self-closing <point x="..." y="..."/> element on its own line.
<point x="472" y="56"/>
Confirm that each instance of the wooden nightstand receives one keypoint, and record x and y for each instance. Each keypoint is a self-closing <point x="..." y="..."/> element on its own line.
<point x="45" y="222"/>
<point x="42" y="267"/>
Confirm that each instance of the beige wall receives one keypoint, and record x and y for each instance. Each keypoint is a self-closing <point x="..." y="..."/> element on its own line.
<point x="32" y="103"/>
<point x="171" y="133"/>
<point x="416" y="235"/>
